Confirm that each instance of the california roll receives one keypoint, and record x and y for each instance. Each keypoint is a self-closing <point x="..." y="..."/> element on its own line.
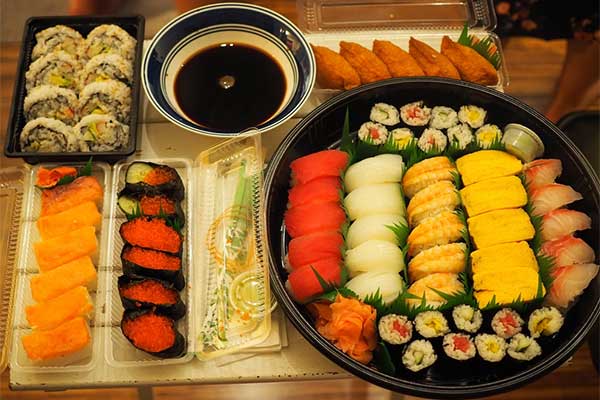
<point x="430" y="324"/>
<point x="47" y="135"/>
<point x="459" y="346"/>
<point x="98" y="132"/>
<point x="507" y="323"/>
<point x="415" y="114"/>
<point x="419" y="355"/>
<point x="491" y="348"/>
<point x="395" y="329"/>
<point x="443" y="117"/>
<point x="467" y="318"/>
<point x="373" y="133"/>
<point x="105" y="67"/>
<point x="51" y="102"/>
<point x="109" y="39"/>
<point x="432" y="141"/>
<point x="460" y="135"/>
<point x="58" y="69"/>
<point x="523" y="348"/>
<point x="385" y="114"/>
<point x="545" y="321"/>
<point x="57" y="38"/>
<point x="106" y="97"/>
<point x="472" y="115"/>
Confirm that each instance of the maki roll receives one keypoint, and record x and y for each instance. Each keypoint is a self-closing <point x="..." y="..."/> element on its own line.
<point x="460" y="135"/>
<point x="419" y="355"/>
<point x="402" y="137"/>
<point x="432" y="141"/>
<point x="459" y="346"/>
<point x="472" y="115"/>
<point x="373" y="133"/>
<point x="523" y="348"/>
<point x="58" y="69"/>
<point x="57" y="38"/>
<point x="153" y="179"/>
<point x="141" y="292"/>
<point x="106" y="97"/>
<point x="507" y="323"/>
<point x="98" y="132"/>
<point x="152" y="205"/>
<point x="431" y="324"/>
<point x="385" y="114"/>
<point x="467" y="318"/>
<point x="152" y="263"/>
<point x="488" y="134"/>
<point x="47" y="135"/>
<point x="491" y="348"/>
<point x="443" y="117"/>
<point x="109" y="39"/>
<point x="151" y="233"/>
<point x="545" y="321"/>
<point x="415" y="114"/>
<point x="51" y="102"/>
<point x="395" y="329"/>
<point x="105" y="67"/>
<point x="153" y="333"/>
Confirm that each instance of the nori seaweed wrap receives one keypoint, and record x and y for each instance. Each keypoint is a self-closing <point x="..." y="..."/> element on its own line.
<point x="152" y="233"/>
<point x="151" y="205"/>
<point x="152" y="263"/>
<point x="153" y="179"/>
<point x="153" y="333"/>
<point x="138" y="292"/>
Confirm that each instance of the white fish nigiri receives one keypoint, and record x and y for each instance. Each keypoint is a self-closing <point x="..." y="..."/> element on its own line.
<point x="374" y="227"/>
<point x="383" y="168"/>
<point x="569" y="282"/>
<point x="389" y="284"/>
<point x="561" y="222"/>
<point x="542" y="172"/>
<point x="568" y="250"/>
<point x="374" y="255"/>
<point x="382" y="198"/>
<point x="552" y="196"/>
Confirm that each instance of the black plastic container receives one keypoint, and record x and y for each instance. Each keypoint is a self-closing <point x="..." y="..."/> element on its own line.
<point x="134" y="25"/>
<point x="322" y="129"/>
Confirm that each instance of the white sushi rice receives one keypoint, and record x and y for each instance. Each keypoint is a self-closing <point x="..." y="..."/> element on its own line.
<point x="419" y="355"/>
<point x="57" y="38"/>
<point x="488" y="134"/>
<point x="432" y="140"/>
<point x="395" y="329"/>
<point x="461" y="135"/>
<point x="98" y="132"/>
<point x="545" y="321"/>
<point x="523" y="348"/>
<point x="105" y="67"/>
<point x="109" y="39"/>
<point x="472" y="115"/>
<point x="385" y="114"/>
<point x="51" y="102"/>
<point x="415" y="114"/>
<point x="383" y="168"/>
<point x="467" y="318"/>
<point x="373" y="133"/>
<point x="431" y="324"/>
<point x="458" y="354"/>
<point x="507" y="323"/>
<point x="443" y="117"/>
<point x="401" y="137"/>
<point x="47" y="135"/>
<point x="106" y="97"/>
<point x="58" y="68"/>
<point x="491" y="348"/>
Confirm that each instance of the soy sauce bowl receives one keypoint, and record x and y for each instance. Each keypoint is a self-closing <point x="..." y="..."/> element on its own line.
<point x="220" y="25"/>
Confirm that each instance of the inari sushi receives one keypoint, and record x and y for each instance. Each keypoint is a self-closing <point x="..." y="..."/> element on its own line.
<point x="141" y="292"/>
<point x="551" y="197"/>
<point x="51" y="284"/>
<point x="384" y="168"/>
<point x="63" y="197"/>
<point x="153" y="179"/>
<point x="316" y="191"/>
<point x="314" y="247"/>
<point x="153" y="263"/>
<point x="312" y="218"/>
<point x="59" y="250"/>
<point x="153" y="333"/>
<point x="381" y="198"/>
<point x="151" y="233"/>
<point x="51" y="313"/>
<point x="69" y="341"/>
<point x="303" y="284"/>
<point x="318" y="165"/>
<point x="85" y="214"/>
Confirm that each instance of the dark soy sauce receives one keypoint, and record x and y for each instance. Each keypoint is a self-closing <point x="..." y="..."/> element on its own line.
<point x="230" y="87"/>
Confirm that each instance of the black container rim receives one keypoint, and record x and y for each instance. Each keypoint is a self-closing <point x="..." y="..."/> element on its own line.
<point x="412" y="388"/>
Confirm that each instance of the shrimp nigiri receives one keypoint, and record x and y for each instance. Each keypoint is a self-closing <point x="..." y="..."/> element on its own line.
<point x="561" y="222"/>
<point x="569" y="282"/>
<point x="568" y="250"/>
<point x="444" y="228"/>
<point x="552" y="196"/>
<point x="542" y="172"/>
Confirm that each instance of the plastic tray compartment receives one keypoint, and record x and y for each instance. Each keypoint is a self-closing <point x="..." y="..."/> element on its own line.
<point x="119" y="351"/>
<point x="134" y="25"/>
<point x="27" y="267"/>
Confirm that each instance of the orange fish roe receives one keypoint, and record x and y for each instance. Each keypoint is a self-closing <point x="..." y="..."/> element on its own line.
<point x="149" y="291"/>
<point x="153" y="233"/>
<point x="150" y="332"/>
<point x="160" y="175"/>
<point x="152" y="259"/>
<point x="151" y="205"/>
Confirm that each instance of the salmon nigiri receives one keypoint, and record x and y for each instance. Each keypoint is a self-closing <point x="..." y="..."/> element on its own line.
<point x="318" y="165"/>
<point x="561" y="222"/>
<point x="311" y="218"/>
<point x="316" y="191"/>
<point x="568" y="250"/>
<point x="316" y="246"/>
<point x="552" y="196"/>
<point x="61" y="198"/>
<point x="569" y="282"/>
<point x="542" y="172"/>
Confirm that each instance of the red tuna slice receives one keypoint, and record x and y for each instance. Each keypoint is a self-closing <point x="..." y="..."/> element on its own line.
<point x="318" y="165"/>
<point x="542" y="172"/>
<point x="316" y="246"/>
<point x="312" y="218"/>
<point x="317" y="191"/>
<point x="303" y="283"/>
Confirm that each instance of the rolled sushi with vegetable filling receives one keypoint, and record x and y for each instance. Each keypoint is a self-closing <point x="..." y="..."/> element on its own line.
<point x="401" y="138"/>
<point x="57" y="38"/>
<point x="58" y="69"/>
<point x="152" y="263"/>
<point x="419" y="355"/>
<point x="98" y="132"/>
<point x="373" y="133"/>
<point x="48" y="135"/>
<point x="443" y="117"/>
<point x="105" y="39"/>
<point x="415" y="114"/>
<point x="51" y="102"/>
<point x="141" y="292"/>
<point x="460" y="135"/>
<point x="153" y="333"/>
<point x="395" y="329"/>
<point x="385" y="114"/>
<point x="459" y="346"/>
<point x="433" y="141"/>
<point x="154" y="205"/>
<point x="491" y="348"/>
<point x="545" y="321"/>
<point x="431" y="324"/>
<point x="106" y="97"/>
<point x="507" y="323"/>
<point x="151" y="233"/>
<point x="467" y="318"/>
<point x="105" y="67"/>
<point x="487" y="135"/>
<point x="153" y="179"/>
<point x="472" y="115"/>
<point x="523" y="348"/>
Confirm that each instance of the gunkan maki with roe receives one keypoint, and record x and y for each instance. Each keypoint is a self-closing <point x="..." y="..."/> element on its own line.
<point x="151" y="205"/>
<point x="141" y="292"/>
<point x="153" y="179"/>
<point x="153" y="333"/>
<point x="151" y="233"/>
<point x="152" y="263"/>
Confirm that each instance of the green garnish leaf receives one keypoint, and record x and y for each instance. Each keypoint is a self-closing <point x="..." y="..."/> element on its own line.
<point x="87" y="169"/>
<point x="401" y="232"/>
<point x="383" y="359"/>
<point x="65" y="179"/>
<point x="485" y="47"/>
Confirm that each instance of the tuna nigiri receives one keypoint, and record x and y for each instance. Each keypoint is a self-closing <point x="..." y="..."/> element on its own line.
<point x="316" y="246"/>
<point x="311" y="218"/>
<point x="318" y="165"/>
<point x="552" y="196"/>
<point x="316" y="191"/>
<point x="303" y="283"/>
<point x="568" y="250"/>
<point x="561" y="222"/>
<point x="542" y="172"/>
<point x="569" y="282"/>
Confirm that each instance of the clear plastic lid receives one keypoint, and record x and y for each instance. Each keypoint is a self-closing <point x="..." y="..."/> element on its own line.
<point x="234" y="303"/>
<point x="343" y="15"/>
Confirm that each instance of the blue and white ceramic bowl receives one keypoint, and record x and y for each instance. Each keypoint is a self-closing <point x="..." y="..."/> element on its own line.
<point x="216" y="24"/>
